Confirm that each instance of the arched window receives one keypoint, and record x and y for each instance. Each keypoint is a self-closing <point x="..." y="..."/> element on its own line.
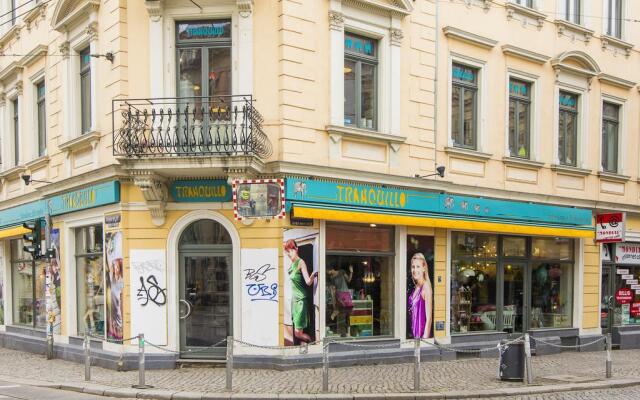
<point x="205" y="232"/>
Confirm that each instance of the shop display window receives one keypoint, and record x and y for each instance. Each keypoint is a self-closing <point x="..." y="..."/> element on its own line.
<point x="552" y="248"/>
<point x="1" y="296"/>
<point x="360" y="281"/>
<point x="28" y="286"/>
<point x="627" y="313"/>
<point x="90" y="280"/>
<point x="551" y="295"/>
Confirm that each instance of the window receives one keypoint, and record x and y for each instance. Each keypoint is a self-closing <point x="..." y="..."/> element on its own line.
<point x="1" y="296"/>
<point x="525" y="3"/>
<point x="42" y="119"/>
<point x="360" y="86"/>
<point x="572" y="11"/>
<point x="85" y="90"/>
<point x="519" y="118"/>
<point x="464" y="107"/>
<point x="13" y="12"/>
<point x="360" y="280"/>
<point x="28" y="287"/>
<point x="610" y="123"/>
<point x="614" y="20"/>
<point x="90" y="280"/>
<point x="16" y="131"/>
<point x="568" y="128"/>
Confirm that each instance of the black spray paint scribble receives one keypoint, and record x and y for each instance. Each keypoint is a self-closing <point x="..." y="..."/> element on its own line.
<point x="259" y="274"/>
<point x="153" y="293"/>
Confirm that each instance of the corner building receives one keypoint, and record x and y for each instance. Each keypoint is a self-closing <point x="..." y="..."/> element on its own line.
<point x="248" y="169"/>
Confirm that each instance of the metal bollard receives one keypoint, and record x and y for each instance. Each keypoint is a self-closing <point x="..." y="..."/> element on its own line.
<point x="416" y="365"/>
<point x="50" y="341"/>
<point x="87" y="357"/>
<point x="325" y="366"/>
<point x="609" y="344"/>
<point x="527" y="353"/>
<point x="141" y="364"/>
<point x="229" y="367"/>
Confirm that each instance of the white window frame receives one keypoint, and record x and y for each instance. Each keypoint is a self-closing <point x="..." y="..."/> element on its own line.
<point x="14" y="100"/>
<point x="606" y="16"/>
<point x="622" y="131"/>
<point x="534" y="113"/>
<point x="523" y="3"/>
<point x="563" y="4"/>
<point x="582" y="128"/>
<point x="35" y="80"/>
<point x="482" y="99"/>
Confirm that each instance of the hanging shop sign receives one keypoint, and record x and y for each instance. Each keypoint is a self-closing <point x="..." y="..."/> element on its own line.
<point x="610" y="227"/>
<point x="81" y="199"/>
<point x="329" y="193"/>
<point x="259" y="198"/>
<point x="203" y="190"/>
<point x="627" y="253"/>
<point x="624" y="296"/>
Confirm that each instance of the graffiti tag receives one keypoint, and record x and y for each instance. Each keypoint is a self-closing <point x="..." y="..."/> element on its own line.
<point x="262" y="292"/>
<point x="153" y="293"/>
<point x="258" y="275"/>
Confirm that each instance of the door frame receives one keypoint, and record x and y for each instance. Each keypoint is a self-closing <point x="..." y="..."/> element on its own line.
<point x="526" y="292"/>
<point x="173" y="265"/>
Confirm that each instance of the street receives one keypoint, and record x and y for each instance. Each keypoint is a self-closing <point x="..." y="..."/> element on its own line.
<point x="10" y="390"/>
<point x="631" y="393"/>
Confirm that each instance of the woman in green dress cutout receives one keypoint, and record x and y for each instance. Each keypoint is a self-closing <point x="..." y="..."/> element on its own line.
<point x="300" y="299"/>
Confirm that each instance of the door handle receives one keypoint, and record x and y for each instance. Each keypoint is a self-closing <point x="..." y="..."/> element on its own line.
<point x="188" y="309"/>
<point x="610" y="302"/>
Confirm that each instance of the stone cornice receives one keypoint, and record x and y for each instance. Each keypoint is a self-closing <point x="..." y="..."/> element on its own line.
<point x="616" y="43"/>
<point x="399" y="8"/>
<point x="563" y="26"/>
<point x="513" y="8"/>
<point x="459" y="34"/>
<point x="525" y="54"/>
<point x="615" y="81"/>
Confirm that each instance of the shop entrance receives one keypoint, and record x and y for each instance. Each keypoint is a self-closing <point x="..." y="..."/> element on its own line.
<point x="515" y="275"/>
<point x="205" y="289"/>
<point x="620" y="292"/>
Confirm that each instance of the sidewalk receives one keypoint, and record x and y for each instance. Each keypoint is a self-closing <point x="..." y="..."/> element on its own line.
<point x="471" y="378"/>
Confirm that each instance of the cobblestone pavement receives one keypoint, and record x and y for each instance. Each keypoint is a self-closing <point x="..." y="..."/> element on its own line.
<point x="467" y="374"/>
<point x="617" y="394"/>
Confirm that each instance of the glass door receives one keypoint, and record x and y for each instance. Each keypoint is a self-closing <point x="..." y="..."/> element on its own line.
<point x="205" y="304"/>
<point x="514" y="297"/>
<point x="606" y="300"/>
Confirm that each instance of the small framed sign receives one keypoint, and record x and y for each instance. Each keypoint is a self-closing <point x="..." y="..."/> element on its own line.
<point x="258" y="198"/>
<point x="610" y="227"/>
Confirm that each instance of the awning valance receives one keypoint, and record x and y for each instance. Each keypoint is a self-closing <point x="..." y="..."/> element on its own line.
<point x="13" y="231"/>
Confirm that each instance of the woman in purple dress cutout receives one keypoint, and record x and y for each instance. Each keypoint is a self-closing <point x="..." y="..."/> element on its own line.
<point x="420" y="300"/>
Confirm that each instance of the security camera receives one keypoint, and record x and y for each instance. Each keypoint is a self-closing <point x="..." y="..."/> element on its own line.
<point x="440" y="171"/>
<point x="26" y="179"/>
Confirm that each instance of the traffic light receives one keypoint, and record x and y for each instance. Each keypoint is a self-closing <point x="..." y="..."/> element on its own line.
<point x="32" y="239"/>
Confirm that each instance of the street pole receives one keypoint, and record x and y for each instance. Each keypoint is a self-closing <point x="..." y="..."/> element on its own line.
<point x="229" y="367"/>
<point x="325" y="366"/>
<point x="416" y="365"/>
<point x="87" y="357"/>
<point x="527" y="353"/>
<point x="609" y="344"/>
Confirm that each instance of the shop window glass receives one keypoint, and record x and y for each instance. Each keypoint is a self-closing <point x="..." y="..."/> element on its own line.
<point x="514" y="246"/>
<point x="205" y="232"/>
<point x="28" y="285"/>
<point x="360" y="281"/>
<point x="552" y="248"/>
<point x="473" y="296"/>
<point x="90" y="280"/>
<point x="626" y="314"/>
<point x="1" y="296"/>
<point x="474" y="245"/>
<point x="551" y="295"/>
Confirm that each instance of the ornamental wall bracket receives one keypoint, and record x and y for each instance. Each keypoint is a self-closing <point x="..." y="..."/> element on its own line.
<point x="245" y="8"/>
<point x="154" y="9"/>
<point x="336" y="21"/>
<point x="64" y="50"/>
<point x="396" y="36"/>
<point x="92" y="31"/>
<point x="155" y="192"/>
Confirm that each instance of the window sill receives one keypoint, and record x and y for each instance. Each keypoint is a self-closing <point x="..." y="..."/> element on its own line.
<point x="617" y="43"/>
<point x="614" y="177"/>
<point x="522" y="162"/>
<point x="563" y="25"/>
<point x="513" y="8"/>
<point x="364" y="134"/>
<point x="37" y="163"/>
<point x="525" y="54"/>
<point x="566" y="169"/>
<point x="88" y="139"/>
<point x="13" y="172"/>
<point x="468" y="154"/>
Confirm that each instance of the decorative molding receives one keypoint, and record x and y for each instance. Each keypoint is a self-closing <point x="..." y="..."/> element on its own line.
<point x="38" y="12"/>
<point x="3" y="99"/>
<point x="92" y="31"/>
<point x="154" y="9"/>
<point x="571" y="30"/>
<point x="467" y="153"/>
<point x="589" y="67"/>
<point x="569" y="170"/>
<point x="69" y="13"/>
<point x="155" y="192"/>
<point x="245" y="7"/>
<point x="399" y="8"/>
<point x="13" y="33"/>
<point x="616" y="44"/>
<point x="336" y="131"/>
<point x="396" y="37"/>
<point x="525" y="54"/>
<point x="613" y="177"/>
<point x="12" y="172"/>
<point x="10" y="70"/>
<point x="34" y="55"/>
<point x="522" y="163"/>
<point x="37" y="163"/>
<point x="19" y="87"/>
<point x="459" y="34"/>
<point x="336" y="21"/>
<point x="64" y="49"/>
<point x="513" y="9"/>
<point x="615" y="81"/>
<point x="88" y="139"/>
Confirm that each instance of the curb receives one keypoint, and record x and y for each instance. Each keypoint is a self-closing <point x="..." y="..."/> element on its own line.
<point x="163" y="394"/>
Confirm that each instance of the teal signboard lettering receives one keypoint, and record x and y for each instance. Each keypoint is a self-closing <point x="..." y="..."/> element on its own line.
<point x="201" y="190"/>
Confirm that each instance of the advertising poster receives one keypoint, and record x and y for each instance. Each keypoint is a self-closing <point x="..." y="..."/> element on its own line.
<point x="53" y="284"/>
<point x="149" y="295"/>
<point x="301" y="298"/>
<point x="1" y="296"/>
<point x="114" y="283"/>
<point x="260" y="293"/>
<point x="419" y="286"/>
<point x="263" y="198"/>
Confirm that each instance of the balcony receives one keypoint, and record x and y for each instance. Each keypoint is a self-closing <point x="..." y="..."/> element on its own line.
<point x="188" y="127"/>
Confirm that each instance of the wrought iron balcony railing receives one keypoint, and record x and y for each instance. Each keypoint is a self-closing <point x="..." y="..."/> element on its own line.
<point x="188" y="126"/>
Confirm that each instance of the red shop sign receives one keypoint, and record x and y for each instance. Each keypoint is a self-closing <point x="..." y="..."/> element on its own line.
<point x="635" y="310"/>
<point x="624" y="296"/>
<point x="610" y="228"/>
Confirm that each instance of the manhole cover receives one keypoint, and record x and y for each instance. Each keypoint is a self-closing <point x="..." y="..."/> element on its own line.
<point x="571" y="378"/>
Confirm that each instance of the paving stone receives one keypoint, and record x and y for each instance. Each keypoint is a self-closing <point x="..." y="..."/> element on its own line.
<point x="122" y="392"/>
<point x="92" y="388"/>
<point x="156" y="394"/>
<point x="187" y="396"/>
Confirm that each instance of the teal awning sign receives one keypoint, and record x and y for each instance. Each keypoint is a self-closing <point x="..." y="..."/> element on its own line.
<point x="377" y="197"/>
<point x="203" y="190"/>
<point x="81" y="199"/>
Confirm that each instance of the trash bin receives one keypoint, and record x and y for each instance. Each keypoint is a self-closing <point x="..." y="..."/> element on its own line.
<point x="512" y="361"/>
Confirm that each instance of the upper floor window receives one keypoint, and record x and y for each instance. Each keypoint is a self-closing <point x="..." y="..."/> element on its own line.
<point x="42" y="119"/>
<point x="519" y="117"/>
<point x="16" y="131"/>
<point x="464" y="107"/>
<point x="525" y="3"/>
<point x="572" y="9"/>
<point x="568" y="128"/>
<point x="360" y="86"/>
<point x="614" y="19"/>
<point x="610" y="124"/>
<point x="13" y="12"/>
<point x="85" y="90"/>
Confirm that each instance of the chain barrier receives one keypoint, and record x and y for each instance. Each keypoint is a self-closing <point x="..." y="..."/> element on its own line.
<point x="575" y="346"/>
<point x="370" y="346"/>
<point x="114" y="341"/>
<point x="189" y="351"/>
<point x="500" y="346"/>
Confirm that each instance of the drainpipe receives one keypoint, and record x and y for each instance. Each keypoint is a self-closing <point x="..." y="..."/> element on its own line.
<point x="435" y="84"/>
